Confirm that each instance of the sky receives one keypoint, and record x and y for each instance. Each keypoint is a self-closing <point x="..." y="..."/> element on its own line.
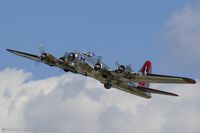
<point x="37" y="96"/>
<point x="131" y="31"/>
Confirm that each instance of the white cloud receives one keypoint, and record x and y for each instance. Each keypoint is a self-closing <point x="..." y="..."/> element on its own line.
<point x="184" y="29"/>
<point x="75" y="104"/>
<point x="182" y="34"/>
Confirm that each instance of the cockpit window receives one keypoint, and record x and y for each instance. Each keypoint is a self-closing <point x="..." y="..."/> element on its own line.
<point x="84" y="53"/>
<point x="89" y="54"/>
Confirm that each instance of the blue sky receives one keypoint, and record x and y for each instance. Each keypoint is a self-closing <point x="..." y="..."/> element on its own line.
<point x="130" y="31"/>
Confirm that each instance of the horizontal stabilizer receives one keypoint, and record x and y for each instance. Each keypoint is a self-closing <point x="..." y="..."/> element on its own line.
<point x="149" y="90"/>
<point x="155" y="78"/>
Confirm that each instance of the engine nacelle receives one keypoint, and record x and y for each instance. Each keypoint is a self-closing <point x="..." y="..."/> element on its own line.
<point x="61" y="60"/>
<point x="43" y="56"/>
<point x="48" y="58"/>
<point x="123" y="68"/>
<point x="98" y="66"/>
<point x="71" y="56"/>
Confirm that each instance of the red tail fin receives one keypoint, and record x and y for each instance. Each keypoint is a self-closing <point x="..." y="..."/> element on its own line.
<point x="146" y="69"/>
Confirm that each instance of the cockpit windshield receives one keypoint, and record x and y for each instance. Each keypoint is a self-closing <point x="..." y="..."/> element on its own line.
<point x="89" y="54"/>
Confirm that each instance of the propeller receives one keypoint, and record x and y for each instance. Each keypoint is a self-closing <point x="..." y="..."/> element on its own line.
<point x="61" y="60"/>
<point x="122" y="67"/>
<point x="129" y="67"/>
<point x="41" y="48"/>
<point x="116" y="62"/>
<point x="99" y="58"/>
<point x="66" y="54"/>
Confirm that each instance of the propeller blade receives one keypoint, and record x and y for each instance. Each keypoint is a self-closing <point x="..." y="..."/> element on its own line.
<point x="41" y="48"/>
<point x="129" y="67"/>
<point x="66" y="54"/>
<point x="116" y="62"/>
<point x="99" y="58"/>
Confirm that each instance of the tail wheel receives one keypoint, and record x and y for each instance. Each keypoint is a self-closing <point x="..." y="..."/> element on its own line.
<point x="107" y="85"/>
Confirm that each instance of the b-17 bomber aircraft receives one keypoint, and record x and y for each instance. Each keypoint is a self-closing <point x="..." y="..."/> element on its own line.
<point x="122" y="78"/>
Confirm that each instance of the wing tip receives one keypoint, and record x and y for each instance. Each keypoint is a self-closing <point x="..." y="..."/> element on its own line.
<point x="12" y="51"/>
<point x="176" y="95"/>
<point x="188" y="80"/>
<point x="9" y="50"/>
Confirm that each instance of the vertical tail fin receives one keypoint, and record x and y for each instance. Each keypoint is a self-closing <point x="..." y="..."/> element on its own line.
<point x="146" y="69"/>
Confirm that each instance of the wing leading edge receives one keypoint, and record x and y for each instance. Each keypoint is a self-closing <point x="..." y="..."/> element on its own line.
<point x="154" y="78"/>
<point x="25" y="55"/>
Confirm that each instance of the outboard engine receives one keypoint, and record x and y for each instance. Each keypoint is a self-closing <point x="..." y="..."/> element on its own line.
<point x="48" y="59"/>
<point x="43" y="56"/>
<point x="122" y="68"/>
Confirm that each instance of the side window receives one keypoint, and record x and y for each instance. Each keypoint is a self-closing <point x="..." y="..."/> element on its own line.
<point x="82" y="59"/>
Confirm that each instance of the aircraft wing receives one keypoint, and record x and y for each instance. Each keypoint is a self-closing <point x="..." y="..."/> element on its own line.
<point x="25" y="55"/>
<point x="149" y="90"/>
<point x="154" y="78"/>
